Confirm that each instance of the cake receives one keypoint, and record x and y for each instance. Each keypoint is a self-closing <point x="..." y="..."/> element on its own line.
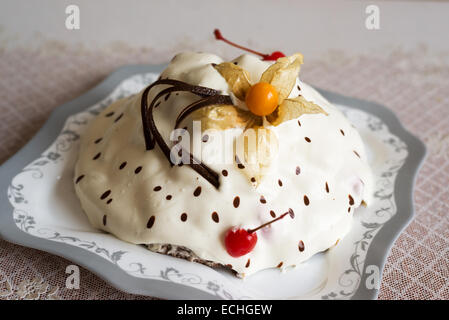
<point x="237" y="164"/>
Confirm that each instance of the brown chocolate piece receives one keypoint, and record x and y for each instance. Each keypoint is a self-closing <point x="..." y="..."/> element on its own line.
<point x="152" y="135"/>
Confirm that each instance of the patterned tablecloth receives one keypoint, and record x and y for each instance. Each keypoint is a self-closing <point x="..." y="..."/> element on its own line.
<point x="414" y="84"/>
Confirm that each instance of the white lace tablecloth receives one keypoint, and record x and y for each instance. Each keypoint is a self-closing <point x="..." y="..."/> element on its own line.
<point x="413" y="84"/>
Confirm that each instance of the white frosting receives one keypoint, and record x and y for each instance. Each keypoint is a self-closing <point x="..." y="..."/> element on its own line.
<point x="329" y="157"/>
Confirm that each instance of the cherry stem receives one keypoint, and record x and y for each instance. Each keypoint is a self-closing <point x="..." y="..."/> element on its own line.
<point x="268" y="223"/>
<point x="219" y="36"/>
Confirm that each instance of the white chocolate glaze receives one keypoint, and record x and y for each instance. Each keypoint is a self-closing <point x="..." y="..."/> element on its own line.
<point x="328" y="158"/>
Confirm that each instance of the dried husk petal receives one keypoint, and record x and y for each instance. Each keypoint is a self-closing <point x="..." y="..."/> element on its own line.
<point x="282" y="75"/>
<point x="292" y="109"/>
<point x="256" y="148"/>
<point x="222" y="117"/>
<point x="236" y="77"/>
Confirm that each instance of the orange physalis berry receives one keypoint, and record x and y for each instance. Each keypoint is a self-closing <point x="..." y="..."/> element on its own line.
<point x="262" y="99"/>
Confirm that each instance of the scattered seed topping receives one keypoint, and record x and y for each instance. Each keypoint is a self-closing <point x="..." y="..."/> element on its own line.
<point x="236" y="202"/>
<point x="205" y="138"/>
<point x="298" y="170"/>
<point x="97" y="156"/>
<point x="356" y="153"/>
<point x="342" y="132"/>
<point x="263" y="200"/>
<point x="349" y="209"/>
<point x="224" y="173"/>
<point x="119" y="117"/>
<point x="168" y="197"/>
<point x="291" y="213"/>
<point x="105" y="194"/>
<point x="184" y="217"/>
<point x="301" y="246"/>
<point x="253" y="179"/>
<point x="157" y="188"/>
<point x="299" y="123"/>
<point x="110" y="114"/>
<point x="109" y="201"/>
<point x="122" y="165"/>
<point x="280" y="264"/>
<point x="248" y="263"/>
<point x="306" y="200"/>
<point x="327" y="187"/>
<point x="215" y="217"/>
<point x="151" y="222"/>
<point x="138" y="169"/>
<point x="98" y="140"/>
<point x="280" y="183"/>
<point x="104" y="219"/>
<point x="351" y="200"/>
<point x="197" y="191"/>
<point x="79" y="178"/>
<point x="308" y="139"/>
<point x="273" y="214"/>
<point x="298" y="87"/>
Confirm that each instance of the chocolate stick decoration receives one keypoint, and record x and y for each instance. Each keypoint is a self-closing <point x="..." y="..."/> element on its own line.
<point x="181" y="86"/>
<point x="152" y="134"/>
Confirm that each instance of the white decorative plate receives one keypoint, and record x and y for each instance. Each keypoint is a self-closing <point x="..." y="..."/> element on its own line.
<point x="39" y="209"/>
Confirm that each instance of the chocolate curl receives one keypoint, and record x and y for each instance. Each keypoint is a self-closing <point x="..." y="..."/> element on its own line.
<point x="152" y="134"/>
<point x="180" y="86"/>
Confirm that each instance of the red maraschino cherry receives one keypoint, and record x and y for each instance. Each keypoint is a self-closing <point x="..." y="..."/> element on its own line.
<point x="267" y="57"/>
<point x="239" y="242"/>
